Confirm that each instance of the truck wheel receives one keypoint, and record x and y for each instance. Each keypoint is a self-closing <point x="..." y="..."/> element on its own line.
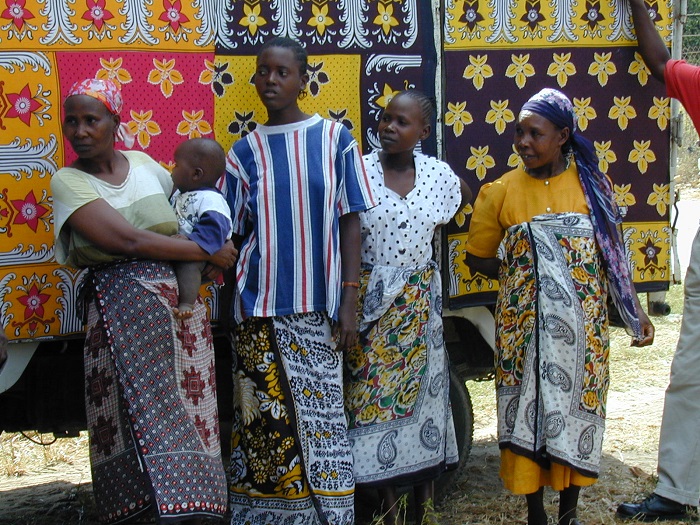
<point x="463" y="416"/>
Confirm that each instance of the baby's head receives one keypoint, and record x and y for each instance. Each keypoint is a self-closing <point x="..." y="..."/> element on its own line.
<point x="199" y="163"/>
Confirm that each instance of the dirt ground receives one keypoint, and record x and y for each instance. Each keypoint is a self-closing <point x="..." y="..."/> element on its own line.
<point x="51" y="485"/>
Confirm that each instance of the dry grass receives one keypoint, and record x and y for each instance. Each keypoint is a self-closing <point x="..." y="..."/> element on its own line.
<point x="30" y="473"/>
<point x="635" y="401"/>
<point x="21" y="454"/>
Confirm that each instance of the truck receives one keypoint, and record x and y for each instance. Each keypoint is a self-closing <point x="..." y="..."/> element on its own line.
<point x="185" y="68"/>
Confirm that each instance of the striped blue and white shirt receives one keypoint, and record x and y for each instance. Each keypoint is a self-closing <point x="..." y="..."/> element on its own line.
<point x="287" y="186"/>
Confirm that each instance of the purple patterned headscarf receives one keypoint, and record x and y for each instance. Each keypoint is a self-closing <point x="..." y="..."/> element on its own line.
<point x="605" y="215"/>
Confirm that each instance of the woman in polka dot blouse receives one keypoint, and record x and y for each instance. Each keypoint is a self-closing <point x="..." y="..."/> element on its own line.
<point x="400" y="423"/>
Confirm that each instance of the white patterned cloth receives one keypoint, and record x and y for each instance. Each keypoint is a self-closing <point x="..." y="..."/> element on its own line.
<point x="204" y="217"/>
<point x="291" y="462"/>
<point x="552" y="343"/>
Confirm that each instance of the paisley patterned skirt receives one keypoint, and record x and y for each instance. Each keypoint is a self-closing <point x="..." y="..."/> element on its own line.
<point x="552" y="343"/>
<point x="291" y="462"/>
<point x="150" y="399"/>
<point x="397" y="380"/>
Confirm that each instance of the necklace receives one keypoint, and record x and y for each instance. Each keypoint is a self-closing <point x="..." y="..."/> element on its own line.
<point x="567" y="158"/>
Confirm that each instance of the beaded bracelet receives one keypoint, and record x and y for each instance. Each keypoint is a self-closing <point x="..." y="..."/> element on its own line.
<point x="352" y="284"/>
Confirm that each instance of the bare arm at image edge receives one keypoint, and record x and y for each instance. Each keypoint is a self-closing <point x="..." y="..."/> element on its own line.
<point x="651" y="45"/>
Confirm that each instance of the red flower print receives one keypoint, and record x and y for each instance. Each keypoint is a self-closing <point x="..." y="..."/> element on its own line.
<point x="212" y="376"/>
<point x="201" y="426"/>
<point x="172" y="14"/>
<point x="99" y="384"/>
<point x="96" y="339"/>
<point x="29" y="211"/>
<point x="187" y="338"/>
<point x="16" y="12"/>
<point x="193" y="385"/>
<point x="206" y="334"/>
<point x="22" y="105"/>
<point x="33" y="302"/>
<point x="103" y="433"/>
<point x="96" y="13"/>
<point x="169" y="294"/>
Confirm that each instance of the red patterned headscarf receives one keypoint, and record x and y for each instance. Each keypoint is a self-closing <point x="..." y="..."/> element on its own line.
<point x="110" y="95"/>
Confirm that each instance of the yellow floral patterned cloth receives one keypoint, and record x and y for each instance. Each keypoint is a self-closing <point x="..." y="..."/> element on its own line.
<point x="397" y="379"/>
<point x="552" y="343"/>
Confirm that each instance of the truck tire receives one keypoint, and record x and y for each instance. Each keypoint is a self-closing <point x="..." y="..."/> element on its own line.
<point x="463" y="416"/>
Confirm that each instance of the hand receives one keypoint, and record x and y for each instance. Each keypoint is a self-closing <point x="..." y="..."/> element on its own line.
<point x="647" y="331"/>
<point x="345" y="330"/>
<point x="212" y="273"/>
<point x="225" y="257"/>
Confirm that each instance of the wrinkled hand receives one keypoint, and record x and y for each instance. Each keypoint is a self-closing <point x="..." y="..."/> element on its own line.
<point x="647" y="332"/>
<point x="225" y="257"/>
<point x="345" y="330"/>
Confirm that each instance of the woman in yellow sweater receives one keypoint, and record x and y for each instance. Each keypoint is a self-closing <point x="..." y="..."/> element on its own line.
<point x="549" y="231"/>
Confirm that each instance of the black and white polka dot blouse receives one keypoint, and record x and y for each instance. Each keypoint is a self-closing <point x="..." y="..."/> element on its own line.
<point x="399" y="230"/>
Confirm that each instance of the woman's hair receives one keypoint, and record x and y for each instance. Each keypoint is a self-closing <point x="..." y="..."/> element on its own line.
<point x="427" y="104"/>
<point x="299" y="51"/>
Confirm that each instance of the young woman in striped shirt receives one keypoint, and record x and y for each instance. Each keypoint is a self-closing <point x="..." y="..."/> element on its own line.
<point x="295" y="186"/>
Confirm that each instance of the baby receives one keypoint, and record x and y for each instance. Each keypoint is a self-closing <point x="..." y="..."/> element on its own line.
<point x="202" y="212"/>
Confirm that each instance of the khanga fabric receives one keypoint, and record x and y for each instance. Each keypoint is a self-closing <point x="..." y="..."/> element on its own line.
<point x="291" y="461"/>
<point x="397" y="389"/>
<point x="552" y="343"/>
<point x="151" y="399"/>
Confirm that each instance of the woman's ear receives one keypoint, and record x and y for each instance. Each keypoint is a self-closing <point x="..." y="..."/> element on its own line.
<point x="565" y="134"/>
<point x="117" y="122"/>
<point x="427" y="129"/>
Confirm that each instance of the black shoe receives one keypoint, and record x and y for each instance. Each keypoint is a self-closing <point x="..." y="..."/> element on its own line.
<point x="653" y="508"/>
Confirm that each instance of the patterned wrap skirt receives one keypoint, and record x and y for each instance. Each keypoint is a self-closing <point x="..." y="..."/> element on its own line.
<point x="150" y="398"/>
<point x="291" y="462"/>
<point x="552" y="343"/>
<point x="397" y="380"/>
